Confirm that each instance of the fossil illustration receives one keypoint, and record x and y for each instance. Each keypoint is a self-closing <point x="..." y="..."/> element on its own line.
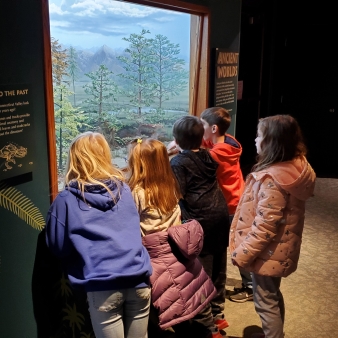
<point x="10" y="151"/>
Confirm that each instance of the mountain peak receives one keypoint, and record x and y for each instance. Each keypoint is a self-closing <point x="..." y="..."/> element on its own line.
<point x="105" y="49"/>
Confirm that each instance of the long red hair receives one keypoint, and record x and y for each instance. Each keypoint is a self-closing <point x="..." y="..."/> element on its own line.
<point x="150" y="169"/>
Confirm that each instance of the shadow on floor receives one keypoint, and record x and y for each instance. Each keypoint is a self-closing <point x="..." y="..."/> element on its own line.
<point x="154" y="332"/>
<point x="249" y="330"/>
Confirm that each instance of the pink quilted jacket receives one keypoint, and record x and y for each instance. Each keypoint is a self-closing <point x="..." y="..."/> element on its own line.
<point x="180" y="286"/>
<point x="266" y="232"/>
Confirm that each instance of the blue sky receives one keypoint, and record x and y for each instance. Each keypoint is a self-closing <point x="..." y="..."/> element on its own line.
<point x="93" y="23"/>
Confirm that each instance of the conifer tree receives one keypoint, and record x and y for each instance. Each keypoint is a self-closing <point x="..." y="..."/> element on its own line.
<point x="59" y="62"/>
<point x="68" y="120"/>
<point x="101" y="92"/>
<point x="137" y="64"/>
<point x="73" y="68"/>
<point x="168" y="72"/>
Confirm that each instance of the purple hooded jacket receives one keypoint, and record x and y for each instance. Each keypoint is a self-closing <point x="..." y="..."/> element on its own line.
<point x="180" y="286"/>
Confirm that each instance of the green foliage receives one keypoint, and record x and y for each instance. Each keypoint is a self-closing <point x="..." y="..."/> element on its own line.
<point x="137" y="65"/>
<point x="155" y="116"/>
<point x="153" y="75"/>
<point x="73" y="69"/>
<point x="68" y="120"/>
<point x="111" y="124"/>
<point x="101" y="91"/>
<point x="167" y="70"/>
<point x="100" y="104"/>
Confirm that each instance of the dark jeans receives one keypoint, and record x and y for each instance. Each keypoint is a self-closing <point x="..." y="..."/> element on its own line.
<point x="215" y="266"/>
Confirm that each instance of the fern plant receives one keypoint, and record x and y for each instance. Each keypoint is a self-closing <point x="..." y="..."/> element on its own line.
<point x="14" y="201"/>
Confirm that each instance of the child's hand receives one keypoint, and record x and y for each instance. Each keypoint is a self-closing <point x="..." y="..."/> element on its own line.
<point x="172" y="148"/>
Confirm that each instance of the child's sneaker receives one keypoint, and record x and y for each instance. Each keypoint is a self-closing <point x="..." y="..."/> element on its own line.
<point x="242" y="295"/>
<point x="220" y="321"/>
<point x="216" y="335"/>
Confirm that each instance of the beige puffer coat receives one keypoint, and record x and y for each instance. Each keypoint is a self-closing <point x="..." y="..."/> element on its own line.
<point x="266" y="232"/>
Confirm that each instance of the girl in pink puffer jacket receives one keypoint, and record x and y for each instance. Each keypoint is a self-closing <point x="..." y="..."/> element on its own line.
<point x="266" y="232"/>
<point x="180" y="286"/>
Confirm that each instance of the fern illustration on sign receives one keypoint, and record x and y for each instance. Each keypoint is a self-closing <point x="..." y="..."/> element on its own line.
<point x="14" y="201"/>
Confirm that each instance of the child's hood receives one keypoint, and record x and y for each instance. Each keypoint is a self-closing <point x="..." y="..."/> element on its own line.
<point x="209" y="164"/>
<point x="231" y="149"/>
<point x="296" y="177"/>
<point x="97" y="196"/>
<point x="188" y="238"/>
<point x="203" y="160"/>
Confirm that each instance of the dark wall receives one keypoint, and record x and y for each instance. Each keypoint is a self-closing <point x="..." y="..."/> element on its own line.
<point x="310" y="82"/>
<point x="253" y="22"/>
<point x="288" y="66"/>
<point x="21" y="62"/>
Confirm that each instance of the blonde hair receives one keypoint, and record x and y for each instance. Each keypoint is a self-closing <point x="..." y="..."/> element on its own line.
<point x="282" y="140"/>
<point x="150" y="169"/>
<point x="90" y="162"/>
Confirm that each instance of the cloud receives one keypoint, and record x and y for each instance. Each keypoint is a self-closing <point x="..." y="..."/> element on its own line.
<point x="109" y="20"/>
<point x="106" y="16"/>
<point x="56" y="23"/>
<point x="107" y="7"/>
<point x="164" y="19"/>
<point x="55" y="9"/>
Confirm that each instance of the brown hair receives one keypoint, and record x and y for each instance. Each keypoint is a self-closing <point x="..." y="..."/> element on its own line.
<point x="90" y="161"/>
<point x="218" y="116"/>
<point x="282" y="141"/>
<point x="188" y="132"/>
<point x="150" y="169"/>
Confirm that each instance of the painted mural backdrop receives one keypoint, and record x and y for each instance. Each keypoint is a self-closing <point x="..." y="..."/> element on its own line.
<point x="123" y="71"/>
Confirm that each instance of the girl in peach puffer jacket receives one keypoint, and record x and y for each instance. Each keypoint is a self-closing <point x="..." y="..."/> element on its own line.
<point x="266" y="233"/>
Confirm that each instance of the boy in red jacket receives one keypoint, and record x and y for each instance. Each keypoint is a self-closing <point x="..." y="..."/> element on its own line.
<point x="226" y="151"/>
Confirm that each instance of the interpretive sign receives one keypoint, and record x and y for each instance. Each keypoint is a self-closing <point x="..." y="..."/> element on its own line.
<point x="226" y="78"/>
<point x="16" y="131"/>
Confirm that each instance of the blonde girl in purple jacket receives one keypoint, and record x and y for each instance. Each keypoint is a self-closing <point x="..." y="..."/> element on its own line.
<point x="266" y="233"/>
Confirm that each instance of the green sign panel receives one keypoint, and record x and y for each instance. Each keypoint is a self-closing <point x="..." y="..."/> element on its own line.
<point x="226" y="82"/>
<point x="226" y="78"/>
<point x="16" y="131"/>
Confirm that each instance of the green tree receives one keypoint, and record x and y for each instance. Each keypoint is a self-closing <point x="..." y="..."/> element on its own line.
<point x="168" y="71"/>
<point x="137" y="64"/>
<point x="68" y="120"/>
<point x="73" y="69"/>
<point x="102" y="91"/>
<point x="62" y="107"/>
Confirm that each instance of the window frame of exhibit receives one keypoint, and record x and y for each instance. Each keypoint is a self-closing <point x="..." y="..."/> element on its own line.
<point x="199" y="68"/>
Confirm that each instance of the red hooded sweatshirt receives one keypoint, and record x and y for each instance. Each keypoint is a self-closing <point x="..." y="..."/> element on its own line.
<point x="229" y="174"/>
